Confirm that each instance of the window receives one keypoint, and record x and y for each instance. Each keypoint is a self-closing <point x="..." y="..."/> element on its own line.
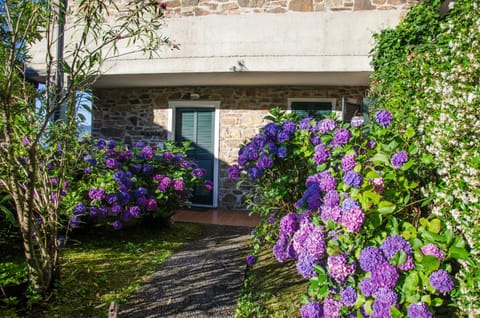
<point x="316" y="108"/>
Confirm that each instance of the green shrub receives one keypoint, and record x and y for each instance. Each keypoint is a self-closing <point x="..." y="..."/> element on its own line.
<point x="427" y="71"/>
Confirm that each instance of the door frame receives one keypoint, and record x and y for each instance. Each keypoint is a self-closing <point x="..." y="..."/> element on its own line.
<point x="172" y="107"/>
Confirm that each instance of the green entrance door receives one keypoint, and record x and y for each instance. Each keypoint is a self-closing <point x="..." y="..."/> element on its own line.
<point x="197" y="125"/>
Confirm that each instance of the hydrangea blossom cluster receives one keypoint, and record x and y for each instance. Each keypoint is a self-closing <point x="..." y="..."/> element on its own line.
<point x="259" y="154"/>
<point x="441" y="281"/>
<point x="330" y="213"/>
<point x="432" y="249"/>
<point x="312" y="310"/>
<point x="376" y="261"/>
<point x="134" y="181"/>
<point x="383" y="117"/>
<point x="399" y="159"/>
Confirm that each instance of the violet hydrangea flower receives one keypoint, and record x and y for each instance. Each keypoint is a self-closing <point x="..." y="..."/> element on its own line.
<point x="311" y="196"/>
<point x="260" y="140"/>
<point x="111" y="144"/>
<point x="79" y="209"/>
<point x="289" y="126"/>
<point x="305" y="266"/>
<point x="386" y="296"/>
<point x="283" y="136"/>
<point x="291" y="252"/>
<point x="140" y="192"/>
<point x="304" y="124"/>
<point x="111" y="163"/>
<point x="380" y="310"/>
<point x="330" y="213"/>
<point x="102" y="211"/>
<point x="441" y="281"/>
<point x="408" y="265"/>
<point x="300" y="236"/>
<point x="341" y="137"/>
<point x="111" y="198"/>
<point x="332" y="307"/>
<point x="393" y="244"/>
<point x="74" y="222"/>
<point x="99" y="194"/>
<point x="288" y="223"/>
<point x="348" y="296"/>
<point x="151" y="204"/>
<point x="147" y="152"/>
<point x="315" y="140"/>
<point x="349" y="204"/>
<point x="326" y="125"/>
<point x="385" y="275"/>
<point x="179" y="185"/>
<point x="167" y="156"/>
<point x="208" y="185"/>
<point x="432" y="249"/>
<point x="353" y="179"/>
<point x="312" y="310"/>
<point x="348" y="163"/>
<point x="116" y="209"/>
<point x="383" y="117"/>
<point x="123" y="197"/>
<point x="101" y="143"/>
<point x="251" y="259"/>
<point x="331" y="198"/>
<point x="357" y="121"/>
<point x="368" y="287"/>
<point x="370" y="258"/>
<point x="314" y="245"/>
<point x="271" y="129"/>
<point x="117" y="225"/>
<point x="377" y="184"/>
<point x="339" y="268"/>
<point x="280" y="249"/>
<point x="419" y="310"/>
<point x="326" y="181"/>
<point x="198" y="172"/>
<point x="234" y="172"/>
<point x="353" y="219"/>
<point x="134" y="211"/>
<point x="147" y="169"/>
<point x="264" y="162"/>
<point x="255" y="173"/>
<point x="399" y="159"/>
<point x="282" y="152"/>
<point x="321" y="154"/>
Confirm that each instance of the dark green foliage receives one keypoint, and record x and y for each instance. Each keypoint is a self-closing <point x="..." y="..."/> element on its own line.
<point x="427" y="72"/>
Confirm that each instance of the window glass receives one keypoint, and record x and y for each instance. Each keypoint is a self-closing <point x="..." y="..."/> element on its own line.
<point x="314" y="109"/>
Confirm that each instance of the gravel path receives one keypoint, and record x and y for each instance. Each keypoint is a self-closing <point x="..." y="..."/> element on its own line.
<point x="202" y="279"/>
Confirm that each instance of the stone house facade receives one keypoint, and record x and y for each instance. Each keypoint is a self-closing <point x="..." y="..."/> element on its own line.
<point x="136" y="114"/>
<point x="236" y="60"/>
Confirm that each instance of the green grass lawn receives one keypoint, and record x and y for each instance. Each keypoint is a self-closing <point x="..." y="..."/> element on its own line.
<point x="108" y="266"/>
<point x="271" y="289"/>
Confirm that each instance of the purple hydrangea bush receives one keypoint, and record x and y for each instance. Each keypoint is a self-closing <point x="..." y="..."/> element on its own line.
<point x="347" y="229"/>
<point x="120" y="183"/>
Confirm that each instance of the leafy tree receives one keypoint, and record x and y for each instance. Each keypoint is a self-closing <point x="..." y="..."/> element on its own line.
<point x="38" y="147"/>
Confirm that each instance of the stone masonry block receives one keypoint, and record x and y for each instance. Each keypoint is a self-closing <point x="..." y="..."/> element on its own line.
<point x="301" y="5"/>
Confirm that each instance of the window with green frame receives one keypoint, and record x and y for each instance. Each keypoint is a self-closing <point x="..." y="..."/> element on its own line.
<point x="310" y="107"/>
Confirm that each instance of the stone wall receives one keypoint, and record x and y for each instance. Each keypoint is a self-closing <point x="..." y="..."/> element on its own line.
<point x="228" y="7"/>
<point x="131" y="115"/>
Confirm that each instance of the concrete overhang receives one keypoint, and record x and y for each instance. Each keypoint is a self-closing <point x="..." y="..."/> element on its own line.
<point x="321" y="48"/>
<point x="236" y="79"/>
